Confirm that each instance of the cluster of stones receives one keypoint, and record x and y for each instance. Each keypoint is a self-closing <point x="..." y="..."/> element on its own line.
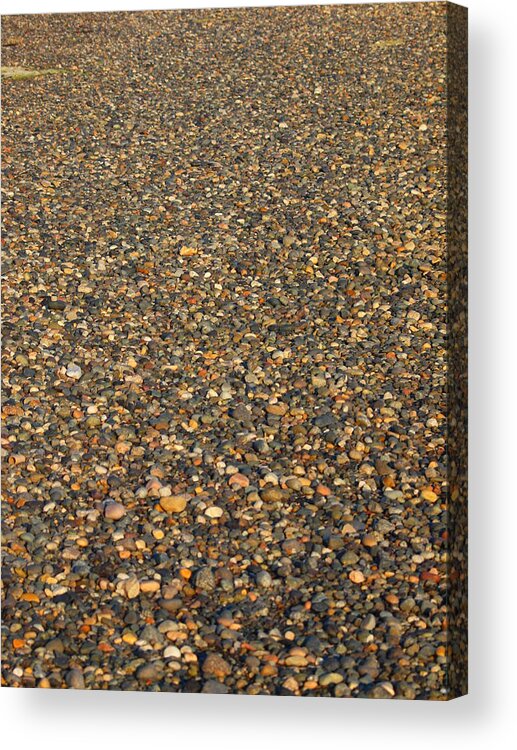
<point x="225" y="352"/>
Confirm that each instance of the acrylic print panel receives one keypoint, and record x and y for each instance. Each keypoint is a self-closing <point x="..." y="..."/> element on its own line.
<point x="234" y="387"/>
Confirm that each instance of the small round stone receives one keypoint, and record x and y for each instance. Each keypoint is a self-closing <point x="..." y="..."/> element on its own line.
<point x="215" y="688"/>
<point x="75" y="679"/>
<point x="215" y="666"/>
<point x="429" y="495"/>
<point x="174" y="503"/>
<point x="264" y="579"/>
<point x="147" y="673"/>
<point x="369" y="622"/>
<point x="214" y="512"/>
<point x="331" y="678"/>
<point x="114" y="511"/>
<point x="293" y="546"/>
<point x="74" y="371"/>
<point x="205" y="579"/>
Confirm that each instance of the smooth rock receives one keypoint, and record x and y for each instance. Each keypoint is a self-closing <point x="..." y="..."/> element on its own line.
<point x="114" y="511"/>
<point x="174" y="503"/>
<point x="215" y="666"/>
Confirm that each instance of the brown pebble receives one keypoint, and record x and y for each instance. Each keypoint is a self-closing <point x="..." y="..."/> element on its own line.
<point x="292" y="547"/>
<point x="147" y="673"/>
<point x="276" y="409"/>
<point x="114" y="511"/>
<point x="272" y="494"/>
<point x="149" y="587"/>
<point x="75" y="679"/>
<point x="215" y="666"/>
<point x="238" y="480"/>
<point x="174" y="503"/>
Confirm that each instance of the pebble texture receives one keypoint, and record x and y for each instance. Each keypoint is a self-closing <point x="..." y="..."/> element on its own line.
<point x="225" y="351"/>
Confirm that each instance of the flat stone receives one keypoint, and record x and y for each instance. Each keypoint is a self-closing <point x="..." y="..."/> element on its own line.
<point x="215" y="666"/>
<point x="264" y="579"/>
<point x="331" y="678"/>
<point x="429" y="495"/>
<point x="174" y="503"/>
<point x="272" y="494"/>
<point x="75" y="679"/>
<point x="74" y="371"/>
<point x="241" y="413"/>
<point x="215" y="687"/>
<point x="276" y="409"/>
<point x="214" y="512"/>
<point x="147" y="673"/>
<point x="369" y="622"/>
<point x="293" y="547"/>
<point x="205" y="579"/>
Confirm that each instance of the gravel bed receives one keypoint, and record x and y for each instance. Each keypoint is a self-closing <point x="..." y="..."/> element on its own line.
<point x="224" y="365"/>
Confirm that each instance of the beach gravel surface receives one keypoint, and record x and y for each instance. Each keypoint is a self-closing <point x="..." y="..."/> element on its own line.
<point x="224" y="368"/>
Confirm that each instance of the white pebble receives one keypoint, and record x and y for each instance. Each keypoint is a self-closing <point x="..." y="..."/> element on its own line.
<point x="214" y="512"/>
<point x="172" y="652"/>
<point x="74" y="371"/>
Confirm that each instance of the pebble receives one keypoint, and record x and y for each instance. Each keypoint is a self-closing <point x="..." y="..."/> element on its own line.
<point x="74" y="371"/>
<point x="215" y="688"/>
<point x="131" y="588"/>
<point x="238" y="480"/>
<point x="276" y="409"/>
<point x="147" y="673"/>
<point x="215" y="666"/>
<point x="75" y="679"/>
<point x="55" y="304"/>
<point x="264" y="579"/>
<point x="214" y="512"/>
<point x="331" y="678"/>
<point x="174" y="503"/>
<point x="272" y="495"/>
<point x="241" y="413"/>
<point x="296" y="661"/>
<point x="369" y="622"/>
<point x="149" y="587"/>
<point x="205" y="579"/>
<point x="114" y="511"/>
<point x="293" y="547"/>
